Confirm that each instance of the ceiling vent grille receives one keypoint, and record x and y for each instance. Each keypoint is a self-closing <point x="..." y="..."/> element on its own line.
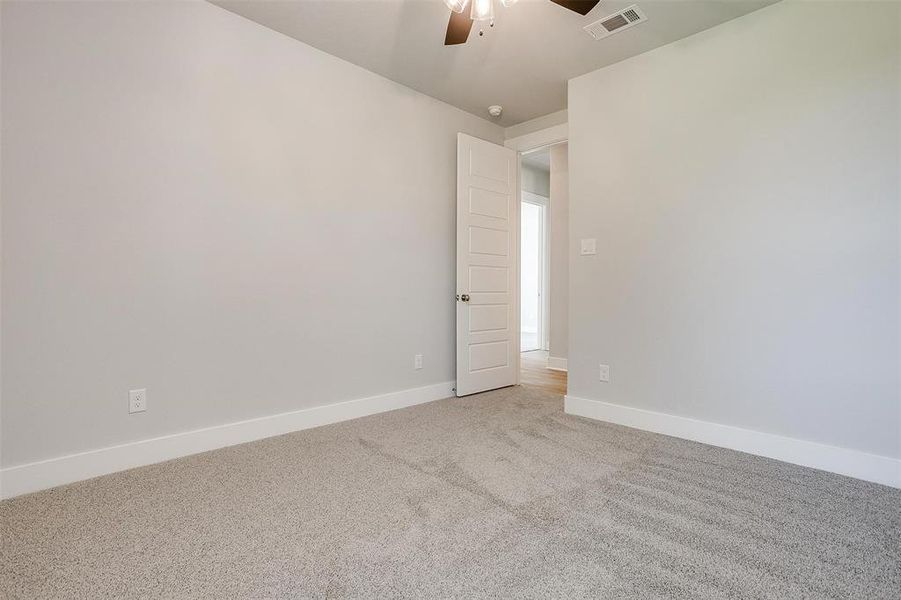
<point x="615" y="23"/>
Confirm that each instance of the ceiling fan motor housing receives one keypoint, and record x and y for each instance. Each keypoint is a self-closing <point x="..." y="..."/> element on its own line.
<point x="460" y="23"/>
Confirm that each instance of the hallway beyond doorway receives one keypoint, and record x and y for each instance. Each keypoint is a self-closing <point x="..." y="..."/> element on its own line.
<point x="528" y="341"/>
<point x="534" y="372"/>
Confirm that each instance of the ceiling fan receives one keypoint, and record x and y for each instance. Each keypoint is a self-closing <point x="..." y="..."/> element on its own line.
<point x="461" y="21"/>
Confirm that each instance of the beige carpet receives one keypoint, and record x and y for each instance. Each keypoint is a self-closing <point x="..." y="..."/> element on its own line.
<point x="497" y="495"/>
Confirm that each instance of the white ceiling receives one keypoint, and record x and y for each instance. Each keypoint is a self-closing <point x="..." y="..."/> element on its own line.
<point x="523" y="63"/>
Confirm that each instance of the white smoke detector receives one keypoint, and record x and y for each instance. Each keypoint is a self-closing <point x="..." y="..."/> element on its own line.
<point x="495" y="110"/>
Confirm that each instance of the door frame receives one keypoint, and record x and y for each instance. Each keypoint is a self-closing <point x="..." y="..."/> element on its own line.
<point x="544" y="240"/>
<point x="550" y="136"/>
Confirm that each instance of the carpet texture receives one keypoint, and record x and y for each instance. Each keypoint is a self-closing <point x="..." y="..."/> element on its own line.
<point x="495" y="495"/>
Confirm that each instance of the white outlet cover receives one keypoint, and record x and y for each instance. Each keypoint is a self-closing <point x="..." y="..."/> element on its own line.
<point x="589" y="246"/>
<point x="417" y="361"/>
<point x="605" y="373"/>
<point x="137" y="401"/>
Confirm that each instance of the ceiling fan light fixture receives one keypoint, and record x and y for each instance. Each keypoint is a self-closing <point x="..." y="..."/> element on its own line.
<point x="457" y="5"/>
<point x="460" y="23"/>
<point x="482" y="10"/>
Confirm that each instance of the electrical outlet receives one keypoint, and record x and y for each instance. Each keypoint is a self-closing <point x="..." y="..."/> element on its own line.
<point x="588" y="247"/>
<point x="605" y="373"/>
<point x="137" y="401"/>
<point x="417" y="362"/>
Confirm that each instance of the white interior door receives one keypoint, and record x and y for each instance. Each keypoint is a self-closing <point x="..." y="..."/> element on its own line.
<point x="487" y="323"/>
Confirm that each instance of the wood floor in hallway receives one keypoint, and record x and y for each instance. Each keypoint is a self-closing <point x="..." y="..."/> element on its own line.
<point x="535" y="372"/>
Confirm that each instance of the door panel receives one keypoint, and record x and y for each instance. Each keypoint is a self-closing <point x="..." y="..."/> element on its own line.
<point x="489" y="355"/>
<point x="488" y="318"/>
<point x="486" y="163"/>
<point x="489" y="204"/>
<point x="488" y="241"/>
<point x="488" y="279"/>
<point x="487" y="323"/>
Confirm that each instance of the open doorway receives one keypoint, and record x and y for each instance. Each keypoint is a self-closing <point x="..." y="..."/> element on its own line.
<point x="543" y="250"/>
<point x="533" y="324"/>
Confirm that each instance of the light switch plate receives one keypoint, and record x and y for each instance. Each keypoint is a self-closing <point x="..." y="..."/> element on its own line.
<point x="589" y="246"/>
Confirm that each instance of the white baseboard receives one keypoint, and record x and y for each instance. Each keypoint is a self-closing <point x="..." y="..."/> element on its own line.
<point x="31" y="477"/>
<point x="853" y="463"/>
<point x="556" y="364"/>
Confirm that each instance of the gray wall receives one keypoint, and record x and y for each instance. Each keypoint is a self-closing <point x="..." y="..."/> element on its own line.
<point x="559" y="254"/>
<point x="537" y="181"/>
<point x="743" y="187"/>
<point x="197" y="205"/>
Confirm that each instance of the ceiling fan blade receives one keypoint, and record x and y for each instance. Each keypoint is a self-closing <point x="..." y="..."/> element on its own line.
<point x="458" y="28"/>
<point x="583" y="7"/>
